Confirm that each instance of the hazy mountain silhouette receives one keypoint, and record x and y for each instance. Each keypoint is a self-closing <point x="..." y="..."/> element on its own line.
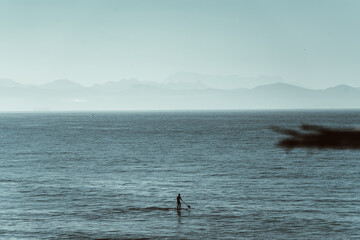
<point x="132" y="94"/>
<point x="186" y="85"/>
<point x="221" y="81"/>
<point x="62" y="84"/>
<point x="116" y="86"/>
<point x="4" y="82"/>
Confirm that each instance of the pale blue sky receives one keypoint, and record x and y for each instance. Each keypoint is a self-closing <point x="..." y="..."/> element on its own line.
<point x="313" y="43"/>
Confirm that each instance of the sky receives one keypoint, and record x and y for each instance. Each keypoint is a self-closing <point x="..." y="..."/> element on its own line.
<point x="311" y="43"/>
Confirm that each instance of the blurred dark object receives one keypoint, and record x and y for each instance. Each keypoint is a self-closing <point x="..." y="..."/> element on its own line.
<point x="311" y="136"/>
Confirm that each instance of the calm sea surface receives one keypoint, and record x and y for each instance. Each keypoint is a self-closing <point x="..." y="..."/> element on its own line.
<point x="117" y="176"/>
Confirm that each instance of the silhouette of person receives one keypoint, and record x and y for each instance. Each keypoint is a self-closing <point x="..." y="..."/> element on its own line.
<point x="178" y="202"/>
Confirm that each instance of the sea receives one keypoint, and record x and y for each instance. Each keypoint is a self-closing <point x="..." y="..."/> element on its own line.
<point x="116" y="175"/>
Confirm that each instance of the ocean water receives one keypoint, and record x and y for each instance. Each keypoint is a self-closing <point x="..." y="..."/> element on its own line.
<point x="116" y="175"/>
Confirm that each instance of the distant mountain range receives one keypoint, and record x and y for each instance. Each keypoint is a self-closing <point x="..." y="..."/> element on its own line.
<point x="225" y="82"/>
<point x="184" y="91"/>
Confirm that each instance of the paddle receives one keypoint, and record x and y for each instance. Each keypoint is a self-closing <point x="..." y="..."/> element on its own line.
<point x="186" y="204"/>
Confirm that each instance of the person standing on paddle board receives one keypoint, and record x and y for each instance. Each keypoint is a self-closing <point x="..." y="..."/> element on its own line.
<point x="178" y="202"/>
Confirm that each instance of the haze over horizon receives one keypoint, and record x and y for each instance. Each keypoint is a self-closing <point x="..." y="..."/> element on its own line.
<point x="312" y="44"/>
<point x="179" y="81"/>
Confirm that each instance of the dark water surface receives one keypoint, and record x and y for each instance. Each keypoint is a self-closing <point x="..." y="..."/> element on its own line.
<point x="117" y="175"/>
